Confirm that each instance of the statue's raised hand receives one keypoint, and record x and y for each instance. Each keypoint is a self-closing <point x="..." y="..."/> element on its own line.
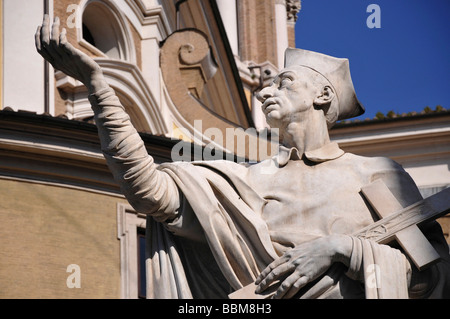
<point x="54" y="47"/>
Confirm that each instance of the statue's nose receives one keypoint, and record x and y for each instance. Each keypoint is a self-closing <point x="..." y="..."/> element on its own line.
<point x="264" y="94"/>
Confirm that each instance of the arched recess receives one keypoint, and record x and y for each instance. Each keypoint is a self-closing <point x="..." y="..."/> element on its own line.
<point x="129" y="83"/>
<point x="102" y="28"/>
<point x="131" y="88"/>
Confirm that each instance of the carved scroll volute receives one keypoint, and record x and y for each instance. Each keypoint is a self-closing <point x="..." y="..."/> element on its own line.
<point x="196" y="64"/>
<point x="187" y="64"/>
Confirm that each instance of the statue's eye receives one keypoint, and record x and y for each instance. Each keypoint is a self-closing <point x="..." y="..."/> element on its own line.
<point x="285" y="81"/>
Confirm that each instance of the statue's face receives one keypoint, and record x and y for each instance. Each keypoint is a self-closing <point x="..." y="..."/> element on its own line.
<point x="290" y="95"/>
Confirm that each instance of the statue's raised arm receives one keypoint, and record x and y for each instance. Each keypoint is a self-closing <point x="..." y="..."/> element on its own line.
<point x="147" y="189"/>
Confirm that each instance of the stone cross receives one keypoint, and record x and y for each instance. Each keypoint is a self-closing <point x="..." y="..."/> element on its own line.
<point x="411" y="239"/>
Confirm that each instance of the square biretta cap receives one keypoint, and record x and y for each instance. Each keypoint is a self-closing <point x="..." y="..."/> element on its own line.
<point x="336" y="71"/>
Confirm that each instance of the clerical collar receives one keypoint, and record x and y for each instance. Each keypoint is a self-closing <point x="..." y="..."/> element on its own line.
<point x="327" y="152"/>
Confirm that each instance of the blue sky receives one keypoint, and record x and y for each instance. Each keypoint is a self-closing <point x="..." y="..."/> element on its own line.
<point x="402" y="66"/>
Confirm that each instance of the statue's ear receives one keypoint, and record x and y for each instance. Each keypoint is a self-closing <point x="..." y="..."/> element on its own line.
<point x="326" y="96"/>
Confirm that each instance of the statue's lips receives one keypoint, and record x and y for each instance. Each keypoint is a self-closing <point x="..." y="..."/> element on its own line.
<point x="269" y="105"/>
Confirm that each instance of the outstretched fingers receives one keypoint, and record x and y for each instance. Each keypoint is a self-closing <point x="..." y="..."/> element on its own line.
<point x="63" y="37"/>
<point x="37" y="39"/>
<point x="39" y="47"/>
<point x="42" y="40"/>
<point x="45" y="32"/>
<point x="291" y="286"/>
<point x="269" y="269"/>
<point x="272" y="273"/>
<point x="52" y="44"/>
<point x="65" y="45"/>
<point x="54" y="37"/>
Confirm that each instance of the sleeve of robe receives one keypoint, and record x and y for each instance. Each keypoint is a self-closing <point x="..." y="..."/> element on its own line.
<point x="146" y="188"/>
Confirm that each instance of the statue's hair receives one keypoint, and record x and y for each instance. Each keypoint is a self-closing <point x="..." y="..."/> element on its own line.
<point x="331" y="110"/>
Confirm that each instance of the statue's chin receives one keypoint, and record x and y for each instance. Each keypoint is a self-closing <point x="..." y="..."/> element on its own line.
<point x="273" y="118"/>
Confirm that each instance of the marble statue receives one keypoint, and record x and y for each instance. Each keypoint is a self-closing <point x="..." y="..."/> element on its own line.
<point x="218" y="226"/>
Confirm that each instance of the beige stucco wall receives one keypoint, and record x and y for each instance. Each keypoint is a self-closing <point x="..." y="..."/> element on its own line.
<point x="44" y="229"/>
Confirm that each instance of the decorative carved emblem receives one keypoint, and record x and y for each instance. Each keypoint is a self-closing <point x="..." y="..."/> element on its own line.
<point x="293" y="8"/>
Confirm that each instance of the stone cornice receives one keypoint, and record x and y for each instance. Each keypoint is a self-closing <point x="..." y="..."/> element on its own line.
<point x="57" y="150"/>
